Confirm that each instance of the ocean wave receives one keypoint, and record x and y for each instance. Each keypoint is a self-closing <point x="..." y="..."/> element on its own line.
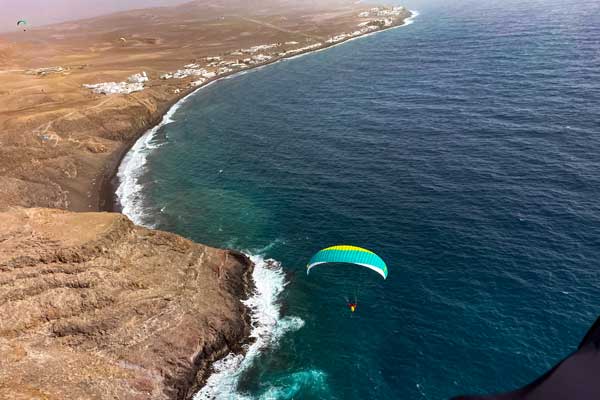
<point x="411" y="19"/>
<point x="291" y="385"/>
<point x="129" y="192"/>
<point x="268" y="327"/>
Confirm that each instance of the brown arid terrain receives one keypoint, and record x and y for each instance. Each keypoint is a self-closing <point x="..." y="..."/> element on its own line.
<point x="92" y="306"/>
<point x="59" y="141"/>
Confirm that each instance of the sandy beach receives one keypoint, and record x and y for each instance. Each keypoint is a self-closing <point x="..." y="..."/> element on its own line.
<point x="92" y="304"/>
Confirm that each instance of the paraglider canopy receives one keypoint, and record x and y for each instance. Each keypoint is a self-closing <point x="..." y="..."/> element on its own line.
<point x="22" y="23"/>
<point x="350" y="255"/>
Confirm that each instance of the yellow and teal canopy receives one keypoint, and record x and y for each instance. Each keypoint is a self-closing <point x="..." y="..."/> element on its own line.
<point x="351" y="255"/>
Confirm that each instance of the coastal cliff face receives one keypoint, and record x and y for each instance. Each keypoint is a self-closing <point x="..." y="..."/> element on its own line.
<point x="71" y="170"/>
<point x="92" y="306"/>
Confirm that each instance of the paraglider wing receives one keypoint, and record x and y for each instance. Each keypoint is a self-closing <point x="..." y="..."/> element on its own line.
<point x="21" y="22"/>
<point x="123" y="39"/>
<point x="350" y="255"/>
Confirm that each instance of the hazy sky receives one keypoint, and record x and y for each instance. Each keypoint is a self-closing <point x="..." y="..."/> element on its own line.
<point x="41" y="12"/>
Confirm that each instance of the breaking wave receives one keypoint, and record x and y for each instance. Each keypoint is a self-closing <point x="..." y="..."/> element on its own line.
<point x="411" y="19"/>
<point x="268" y="327"/>
<point x="130" y="190"/>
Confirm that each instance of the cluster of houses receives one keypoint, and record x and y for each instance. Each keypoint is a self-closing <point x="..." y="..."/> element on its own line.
<point x="215" y="66"/>
<point x="187" y="71"/>
<point x="382" y="12"/>
<point x="135" y="83"/>
<point x="385" y="16"/>
<point x="262" y="58"/>
<point x="379" y="17"/>
<point x="299" y="50"/>
<point x="366" y="28"/>
<point x="199" y="74"/>
<point x="220" y="67"/>
<point x="260" y="47"/>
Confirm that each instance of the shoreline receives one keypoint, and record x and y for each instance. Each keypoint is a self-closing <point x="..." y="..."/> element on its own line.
<point x="179" y="318"/>
<point x="107" y="196"/>
<point x="163" y="331"/>
<point x="223" y="367"/>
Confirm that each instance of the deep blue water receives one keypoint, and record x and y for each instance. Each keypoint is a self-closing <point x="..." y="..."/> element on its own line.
<point x="464" y="149"/>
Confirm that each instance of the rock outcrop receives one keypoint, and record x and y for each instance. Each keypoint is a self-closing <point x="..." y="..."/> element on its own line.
<point x="92" y="306"/>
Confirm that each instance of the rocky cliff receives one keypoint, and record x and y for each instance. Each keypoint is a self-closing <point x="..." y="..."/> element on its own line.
<point x="92" y="306"/>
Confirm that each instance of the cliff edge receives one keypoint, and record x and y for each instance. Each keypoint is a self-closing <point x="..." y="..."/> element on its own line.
<point x="92" y="306"/>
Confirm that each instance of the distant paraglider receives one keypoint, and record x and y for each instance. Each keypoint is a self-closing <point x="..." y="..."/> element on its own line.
<point x="22" y="23"/>
<point x="123" y="41"/>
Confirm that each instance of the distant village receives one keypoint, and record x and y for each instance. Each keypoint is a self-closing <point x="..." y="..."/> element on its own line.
<point x="212" y="67"/>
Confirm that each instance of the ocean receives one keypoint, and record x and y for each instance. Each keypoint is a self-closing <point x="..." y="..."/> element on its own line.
<point x="464" y="149"/>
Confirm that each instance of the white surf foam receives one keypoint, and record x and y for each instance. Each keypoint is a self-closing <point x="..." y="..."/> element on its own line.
<point x="291" y="385"/>
<point x="129" y="192"/>
<point x="411" y="19"/>
<point x="267" y="329"/>
<point x="131" y="169"/>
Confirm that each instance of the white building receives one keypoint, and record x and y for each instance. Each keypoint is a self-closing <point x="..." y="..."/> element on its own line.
<point x="198" y="82"/>
<point x="135" y="83"/>
<point x="261" y="58"/>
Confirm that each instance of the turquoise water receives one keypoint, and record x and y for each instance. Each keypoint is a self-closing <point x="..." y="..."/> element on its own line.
<point x="463" y="149"/>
